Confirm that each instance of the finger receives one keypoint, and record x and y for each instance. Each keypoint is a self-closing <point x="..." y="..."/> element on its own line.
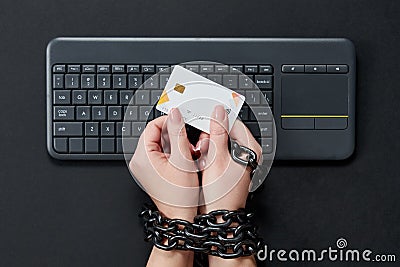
<point x="218" y="129"/>
<point x="180" y="145"/>
<point x="151" y="136"/>
<point x="203" y="143"/>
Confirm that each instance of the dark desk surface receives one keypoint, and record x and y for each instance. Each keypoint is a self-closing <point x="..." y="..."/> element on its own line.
<point x="58" y="213"/>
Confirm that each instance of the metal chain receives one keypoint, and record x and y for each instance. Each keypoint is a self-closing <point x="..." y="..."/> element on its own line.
<point x="245" y="156"/>
<point x="233" y="236"/>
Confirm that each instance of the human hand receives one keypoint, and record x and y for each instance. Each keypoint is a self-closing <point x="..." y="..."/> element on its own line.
<point x="220" y="168"/>
<point x="162" y="175"/>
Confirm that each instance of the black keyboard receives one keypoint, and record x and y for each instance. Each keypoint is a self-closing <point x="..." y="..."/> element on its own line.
<point x="91" y="82"/>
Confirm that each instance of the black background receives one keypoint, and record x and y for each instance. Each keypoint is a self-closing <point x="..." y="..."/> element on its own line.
<point x="59" y="213"/>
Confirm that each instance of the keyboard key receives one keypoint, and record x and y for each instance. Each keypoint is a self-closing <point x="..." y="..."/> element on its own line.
<point x="131" y="113"/>
<point x="72" y="81"/>
<point x="114" y="113"/>
<point x="155" y="96"/>
<point x="135" y="81"/>
<point x="107" y="145"/>
<point x="87" y="81"/>
<point x="119" y="81"/>
<point x="245" y="82"/>
<point x="110" y="97"/>
<point x="137" y="128"/>
<point x="91" y="145"/>
<point x="338" y="68"/>
<point x="151" y="82"/>
<point x="236" y="69"/>
<point x="95" y="97"/>
<point x="99" y="113"/>
<point x="221" y="69"/>
<point x="104" y="81"/>
<point x="253" y="127"/>
<point x="266" y="129"/>
<point x="142" y="97"/>
<point x="268" y="96"/>
<point x="130" y="145"/>
<point x="194" y="68"/>
<point x="144" y="113"/>
<point x="163" y="68"/>
<point x="60" y="145"/>
<point x="67" y="128"/>
<point x="230" y="81"/>
<point x="265" y="69"/>
<point x="215" y="78"/>
<point x="244" y="113"/>
<point x="64" y="113"/>
<point x="263" y="81"/>
<point x="107" y="129"/>
<point x="133" y="68"/>
<point x="250" y="69"/>
<point x="163" y="80"/>
<point x="74" y="69"/>
<point x="58" y="81"/>
<point x="82" y="113"/>
<point x="293" y="68"/>
<point x="253" y="97"/>
<point x="261" y="114"/>
<point x="59" y="68"/>
<point x="315" y="68"/>
<point x="148" y="69"/>
<point x="62" y="97"/>
<point x="89" y="69"/>
<point x="91" y="128"/>
<point x="123" y="129"/>
<point x="103" y="68"/>
<point x="76" y="145"/>
<point x="79" y="97"/>
<point x="125" y="97"/>
<point x="266" y="145"/>
<point x="206" y="69"/>
<point x="118" y="68"/>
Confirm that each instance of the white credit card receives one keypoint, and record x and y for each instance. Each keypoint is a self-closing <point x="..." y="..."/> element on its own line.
<point x="196" y="98"/>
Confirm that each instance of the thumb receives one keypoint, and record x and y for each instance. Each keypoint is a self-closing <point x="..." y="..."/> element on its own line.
<point x="219" y="129"/>
<point x="180" y="146"/>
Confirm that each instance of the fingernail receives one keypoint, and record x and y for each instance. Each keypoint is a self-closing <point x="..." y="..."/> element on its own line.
<point x="176" y="116"/>
<point x="219" y="113"/>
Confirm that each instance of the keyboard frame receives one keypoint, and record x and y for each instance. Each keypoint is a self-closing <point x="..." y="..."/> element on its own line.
<point x="291" y="144"/>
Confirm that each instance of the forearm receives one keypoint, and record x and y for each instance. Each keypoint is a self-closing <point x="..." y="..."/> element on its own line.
<point x="249" y="261"/>
<point x="173" y="258"/>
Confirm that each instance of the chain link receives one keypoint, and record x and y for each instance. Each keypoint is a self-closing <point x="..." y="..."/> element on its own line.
<point x="234" y="235"/>
<point x="245" y="156"/>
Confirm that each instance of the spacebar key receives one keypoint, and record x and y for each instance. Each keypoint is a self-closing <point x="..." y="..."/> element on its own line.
<point x="67" y="128"/>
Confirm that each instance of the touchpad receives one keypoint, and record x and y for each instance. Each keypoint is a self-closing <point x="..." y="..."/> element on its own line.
<point x="314" y="94"/>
